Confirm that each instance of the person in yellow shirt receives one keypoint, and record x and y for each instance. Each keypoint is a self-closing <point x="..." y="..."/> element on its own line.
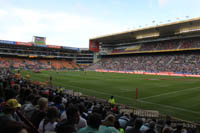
<point x="60" y="90"/>
<point x="111" y="100"/>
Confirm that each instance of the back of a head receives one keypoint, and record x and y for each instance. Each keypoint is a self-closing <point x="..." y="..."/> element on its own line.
<point x="109" y="120"/>
<point x="82" y="108"/>
<point x="10" y="93"/>
<point x="58" y="100"/>
<point x="151" y="124"/>
<point x="52" y="113"/>
<point x="167" y="130"/>
<point x="138" y="123"/>
<point x="94" y="120"/>
<point x="179" y="127"/>
<point x="30" y="98"/>
<point x="68" y="126"/>
<point x="73" y="114"/>
<point x="27" y="92"/>
<point x="117" y="124"/>
<point x="42" y="102"/>
<point x="168" y="122"/>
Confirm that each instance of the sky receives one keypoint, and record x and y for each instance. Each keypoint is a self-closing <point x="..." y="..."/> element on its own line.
<point x="73" y="22"/>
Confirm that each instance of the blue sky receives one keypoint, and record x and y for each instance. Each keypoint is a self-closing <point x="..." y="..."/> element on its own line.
<point x="73" y="22"/>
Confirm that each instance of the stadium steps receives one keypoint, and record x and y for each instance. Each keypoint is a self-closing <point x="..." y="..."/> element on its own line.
<point x="179" y="46"/>
<point x="170" y="61"/>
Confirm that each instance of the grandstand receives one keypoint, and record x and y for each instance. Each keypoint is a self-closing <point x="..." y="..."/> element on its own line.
<point x="30" y="56"/>
<point x="84" y="58"/>
<point x="169" y="48"/>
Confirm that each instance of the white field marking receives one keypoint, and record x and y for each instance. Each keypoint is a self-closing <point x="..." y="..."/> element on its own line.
<point x="188" y="89"/>
<point x="163" y="85"/>
<point x="194" y="105"/>
<point x="109" y="94"/>
<point x="85" y="76"/>
<point x="97" y="77"/>
<point x="75" y="81"/>
<point x="172" y="107"/>
<point x="131" y="99"/>
<point x="165" y="110"/>
<point x="126" y="90"/>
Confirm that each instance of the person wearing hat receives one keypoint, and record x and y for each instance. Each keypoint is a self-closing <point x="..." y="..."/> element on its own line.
<point x="9" y="111"/>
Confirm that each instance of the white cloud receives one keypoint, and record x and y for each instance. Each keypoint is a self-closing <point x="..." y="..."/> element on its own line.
<point x="162" y="2"/>
<point x="60" y="28"/>
<point x="150" y="3"/>
<point x="3" y="13"/>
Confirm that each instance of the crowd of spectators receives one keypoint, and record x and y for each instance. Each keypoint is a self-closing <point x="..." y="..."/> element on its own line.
<point x="186" y="63"/>
<point x="39" y="64"/>
<point x="26" y="107"/>
<point x="166" y="45"/>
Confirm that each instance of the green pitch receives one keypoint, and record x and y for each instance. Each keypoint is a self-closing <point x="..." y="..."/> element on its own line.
<point x="175" y="96"/>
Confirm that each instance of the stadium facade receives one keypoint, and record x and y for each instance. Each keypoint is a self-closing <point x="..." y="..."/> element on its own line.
<point x="170" y="49"/>
<point x="34" y="56"/>
<point x="85" y="57"/>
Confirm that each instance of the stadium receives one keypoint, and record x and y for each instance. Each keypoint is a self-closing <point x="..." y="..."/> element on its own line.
<point x="153" y="73"/>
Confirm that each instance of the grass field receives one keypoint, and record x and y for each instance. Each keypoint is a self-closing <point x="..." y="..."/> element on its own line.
<point x="175" y="96"/>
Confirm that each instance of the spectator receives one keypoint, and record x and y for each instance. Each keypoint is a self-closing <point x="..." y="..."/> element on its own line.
<point x="118" y="127"/>
<point x="68" y="125"/>
<point x="123" y="120"/>
<point x="151" y="127"/>
<point x="180" y="129"/>
<point x="9" y="111"/>
<point x="46" y="119"/>
<point x="82" y="123"/>
<point x="13" y="127"/>
<point x="28" y="108"/>
<point x="111" y="100"/>
<point x="136" y="129"/>
<point x="167" y="130"/>
<point x="40" y="112"/>
<point x="108" y="125"/>
<point x="168" y="125"/>
<point x="94" y="121"/>
<point x="49" y="123"/>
